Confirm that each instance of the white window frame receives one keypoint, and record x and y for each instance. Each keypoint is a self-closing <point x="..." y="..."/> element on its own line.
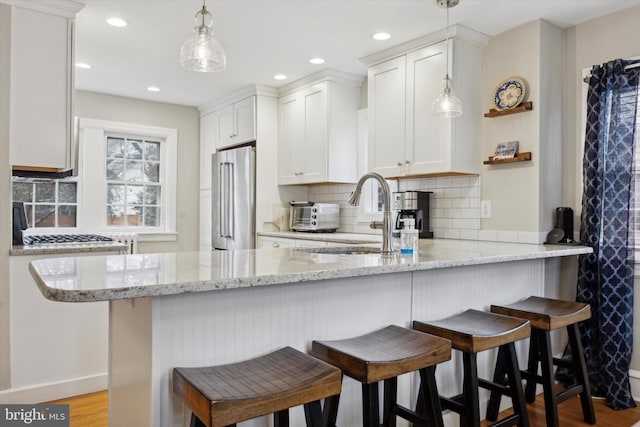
<point x="364" y="208"/>
<point x="93" y="183"/>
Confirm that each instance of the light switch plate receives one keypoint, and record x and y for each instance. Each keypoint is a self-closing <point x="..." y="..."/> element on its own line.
<point x="485" y="209"/>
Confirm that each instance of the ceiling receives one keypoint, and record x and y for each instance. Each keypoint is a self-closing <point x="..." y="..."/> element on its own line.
<point x="267" y="37"/>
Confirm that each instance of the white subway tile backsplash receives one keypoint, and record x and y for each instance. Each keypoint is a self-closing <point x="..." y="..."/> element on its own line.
<point x="490" y="235"/>
<point x="455" y="205"/>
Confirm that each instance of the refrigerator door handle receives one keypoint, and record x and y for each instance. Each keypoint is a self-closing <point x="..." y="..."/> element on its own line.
<point x="231" y="201"/>
<point x="222" y="200"/>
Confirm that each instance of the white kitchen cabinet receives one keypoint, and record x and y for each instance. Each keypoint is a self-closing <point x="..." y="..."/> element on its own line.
<point x="41" y="89"/>
<point x="318" y="134"/>
<point x="405" y="138"/>
<point x="275" y="242"/>
<point x="285" y="242"/>
<point x="208" y="126"/>
<point x="205" y="219"/>
<point x="237" y="123"/>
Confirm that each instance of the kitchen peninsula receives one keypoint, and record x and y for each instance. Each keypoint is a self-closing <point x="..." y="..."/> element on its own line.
<point x="206" y="308"/>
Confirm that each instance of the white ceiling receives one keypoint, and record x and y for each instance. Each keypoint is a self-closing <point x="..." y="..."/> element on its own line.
<point x="267" y="37"/>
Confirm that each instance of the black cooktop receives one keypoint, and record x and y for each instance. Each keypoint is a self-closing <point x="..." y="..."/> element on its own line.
<point x="65" y="238"/>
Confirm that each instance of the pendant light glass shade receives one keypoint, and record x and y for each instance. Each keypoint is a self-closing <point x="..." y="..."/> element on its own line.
<point x="447" y="103"/>
<point x="202" y="52"/>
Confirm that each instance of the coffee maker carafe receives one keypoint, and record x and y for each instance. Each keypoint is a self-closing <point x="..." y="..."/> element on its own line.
<point x="414" y="204"/>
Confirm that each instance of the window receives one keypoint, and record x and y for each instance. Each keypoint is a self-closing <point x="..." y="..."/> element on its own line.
<point x="128" y="175"/>
<point x="133" y="182"/>
<point x="48" y="203"/>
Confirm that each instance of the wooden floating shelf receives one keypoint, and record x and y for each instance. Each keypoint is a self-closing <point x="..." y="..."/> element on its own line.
<point x="520" y="157"/>
<point x="525" y="106"/>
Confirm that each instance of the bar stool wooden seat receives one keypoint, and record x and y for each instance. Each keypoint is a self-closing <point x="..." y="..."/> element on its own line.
<point x="471" y="332"/>
<point x="383" y="355"/>
<point x="547" y="315"/>
<point x="225" y="395"/>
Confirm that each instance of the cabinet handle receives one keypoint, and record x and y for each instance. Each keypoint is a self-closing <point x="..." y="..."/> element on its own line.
<point x="399" y="163"/>
<point x="275" y="244"/>
<point x="407" y="161"/>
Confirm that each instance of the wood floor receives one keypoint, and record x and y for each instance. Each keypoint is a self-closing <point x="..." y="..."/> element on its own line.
<point x="90" y="410"/>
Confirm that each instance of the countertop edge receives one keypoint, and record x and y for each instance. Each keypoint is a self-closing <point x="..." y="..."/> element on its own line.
<point x="162" y="289"/>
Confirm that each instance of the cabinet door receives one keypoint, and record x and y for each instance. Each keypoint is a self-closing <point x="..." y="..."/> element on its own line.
<point x="428" y="146"/>
<point x="244" y="113"/>
<point x="225" y="127"/>
<point x="205" y="219"/>
<point x="41" y="86"/>
<point x="291" y="146"/>
<point x="208" y="126"/>
<point x="274" y="242"/>
<point x="316" y="128"/>
<point x="387" y="100"/>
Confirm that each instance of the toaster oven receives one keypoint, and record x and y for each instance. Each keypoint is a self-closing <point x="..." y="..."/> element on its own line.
<point x="314" y="217"/>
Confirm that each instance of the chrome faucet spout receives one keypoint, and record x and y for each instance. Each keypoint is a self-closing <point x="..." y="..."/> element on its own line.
<point x="387" y="225"/>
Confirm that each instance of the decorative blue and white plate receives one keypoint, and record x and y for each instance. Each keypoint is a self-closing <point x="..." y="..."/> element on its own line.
<point x="509" y="93"/>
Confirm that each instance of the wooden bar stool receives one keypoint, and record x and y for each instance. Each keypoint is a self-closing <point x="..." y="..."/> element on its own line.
<point x="546" y="315"/>
<point x="225" y="395"/>
<point x="383" y="355"/>
<point x="471" y="332"/>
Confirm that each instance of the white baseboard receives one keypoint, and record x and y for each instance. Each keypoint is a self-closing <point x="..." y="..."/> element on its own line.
<point x="54" y="391"/>
<point x="634" y="379"/>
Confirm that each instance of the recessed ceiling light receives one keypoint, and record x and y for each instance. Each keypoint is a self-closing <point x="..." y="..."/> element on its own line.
<point x="153" y="89"/>
<point x="317" y="61"/>
<point x="117" y="22"/>
<point x="83" y="65"/>
<point x="381" y="36"/>
<point x="280" y="77"/>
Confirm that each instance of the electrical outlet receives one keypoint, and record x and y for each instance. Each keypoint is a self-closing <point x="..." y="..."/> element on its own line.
<point x="485" y="209"/>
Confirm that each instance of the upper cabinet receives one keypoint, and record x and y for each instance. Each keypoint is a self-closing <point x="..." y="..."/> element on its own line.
<point x="405" y="138"/>
<point x="237" y="123"/>
<point x="41" y="87"/>
<point x="318" y="132"/>
<point x="208" y="127"/>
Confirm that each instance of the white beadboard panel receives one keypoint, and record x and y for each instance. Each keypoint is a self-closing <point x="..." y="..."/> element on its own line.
<point x="210" y="329"/>
<point x="441" y="293"/>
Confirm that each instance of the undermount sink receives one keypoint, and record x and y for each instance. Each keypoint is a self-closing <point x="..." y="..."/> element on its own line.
<point x="342" y="250"/>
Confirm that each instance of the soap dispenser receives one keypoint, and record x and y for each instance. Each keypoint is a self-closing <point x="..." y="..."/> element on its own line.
<point x="408" y="237"/>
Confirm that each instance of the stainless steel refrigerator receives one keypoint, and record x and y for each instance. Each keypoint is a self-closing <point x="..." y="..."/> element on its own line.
<point x="233" y="176"/>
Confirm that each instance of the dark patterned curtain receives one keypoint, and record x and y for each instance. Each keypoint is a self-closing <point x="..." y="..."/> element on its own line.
<point x="605" y="278"/>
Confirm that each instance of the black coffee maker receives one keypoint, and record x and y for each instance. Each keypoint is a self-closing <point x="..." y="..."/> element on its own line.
<point x="19" y="223"/>
<point x="414" y="204"/>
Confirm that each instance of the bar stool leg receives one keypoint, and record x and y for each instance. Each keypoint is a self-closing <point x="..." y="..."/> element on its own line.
<point x="431" y="408"/>
<point x="470" y="391"/>
<point x="546" y="364"/>
<point x="515" y="384"/>
<point x="370" y="407"/>
<point x="281" y="418"/>
<point x="390" y="401"/>
<point x="195" y="421"/>
<point x="493" y="407"/>
<point x="313" y="414"/>
<point x="532" y="366"/>
<point x="330" y="410"/>
<point x="577" y="354"/>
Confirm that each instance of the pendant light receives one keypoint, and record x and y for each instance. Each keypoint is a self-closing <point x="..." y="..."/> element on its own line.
<point x="447" y="104"/>
<point x="202" y="52"/>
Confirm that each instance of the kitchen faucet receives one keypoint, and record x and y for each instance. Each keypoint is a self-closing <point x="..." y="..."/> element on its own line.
<point x="386" y="224"/>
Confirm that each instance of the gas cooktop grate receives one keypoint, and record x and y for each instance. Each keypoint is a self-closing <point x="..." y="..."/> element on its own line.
<point x="65" y="238"/>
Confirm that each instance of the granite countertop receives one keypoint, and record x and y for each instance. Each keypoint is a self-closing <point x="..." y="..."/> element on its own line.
<point x="349" y="238"/>
<point x="100" y="278"/>
<point x="67" y="248"/>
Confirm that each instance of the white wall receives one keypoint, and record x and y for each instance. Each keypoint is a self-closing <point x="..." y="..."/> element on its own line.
<point x="5" y="194"/>
<point x="187" y="121"/>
